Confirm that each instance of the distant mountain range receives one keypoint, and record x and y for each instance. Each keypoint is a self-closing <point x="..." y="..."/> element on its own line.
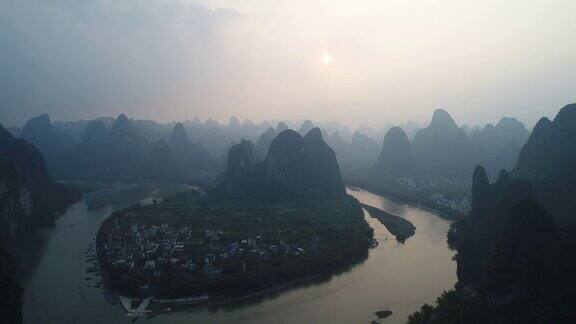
<point x="122" y="152"/>
<point x="514" y="248"/>
<point x="359" y="153"/>
<point x="444" y="150"/>
<point x="440" y="150"/>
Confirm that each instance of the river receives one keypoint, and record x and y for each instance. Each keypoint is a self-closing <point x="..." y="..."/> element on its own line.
<point x="400" y="277"/>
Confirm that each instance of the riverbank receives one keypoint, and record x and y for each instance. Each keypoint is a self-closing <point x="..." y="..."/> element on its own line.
<point x="391" y="277"/>
<point x="160" y="306"/>
<point x="409" y="198"/>
<point x="185" y="246"/>
<point x="150" y="306"/>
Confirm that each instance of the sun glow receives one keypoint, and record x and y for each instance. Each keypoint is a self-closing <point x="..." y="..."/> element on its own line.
<point x="327" y="59"/>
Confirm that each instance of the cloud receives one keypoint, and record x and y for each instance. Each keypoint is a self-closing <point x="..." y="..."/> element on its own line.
<point x="82" y="58"/>
<point x="392" y="60"/>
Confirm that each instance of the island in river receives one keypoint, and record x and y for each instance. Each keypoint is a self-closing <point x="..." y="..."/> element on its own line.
<point x="401" y="228"/>
<point x="186" y="246"/>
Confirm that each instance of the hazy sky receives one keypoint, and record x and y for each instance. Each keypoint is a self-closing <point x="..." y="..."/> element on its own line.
<point x="350" y="60"/>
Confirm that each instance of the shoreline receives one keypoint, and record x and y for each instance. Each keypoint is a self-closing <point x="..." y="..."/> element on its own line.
<point x="157" y="306"/>
<point x="446" y="214"/>
<point x="226" y="306"/>
<point x="309" y="279"/>
<point x="398" y="226"/>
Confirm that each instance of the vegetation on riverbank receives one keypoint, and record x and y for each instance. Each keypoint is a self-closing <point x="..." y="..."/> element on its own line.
<point x="448" y="310"/>
<point x="401" y="228"/>
<point x="188" y="246"/>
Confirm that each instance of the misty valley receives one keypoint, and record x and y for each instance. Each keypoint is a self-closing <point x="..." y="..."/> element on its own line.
<point x="127" y="219"/>
<point x="298" y="162"/>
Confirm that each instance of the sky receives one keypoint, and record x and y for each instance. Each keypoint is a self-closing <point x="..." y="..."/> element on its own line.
<point x="354" y="61"/>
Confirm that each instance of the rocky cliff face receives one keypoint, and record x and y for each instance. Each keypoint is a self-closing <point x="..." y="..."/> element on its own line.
<point x="529" y="276"/>
<point x="295" y="167"/>
<point x="513" y="260"/>
<point x="28" y="194"/>
<point x="521" y="266"/>
<point x="548" y="161"/>
<point x="396" y="157"/>
<point x="484" y="193"/>
<point x="480" y="239"/>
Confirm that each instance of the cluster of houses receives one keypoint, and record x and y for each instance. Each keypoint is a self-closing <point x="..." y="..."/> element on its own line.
<point x="461" y="204"/>
<point x="152" y="249"/>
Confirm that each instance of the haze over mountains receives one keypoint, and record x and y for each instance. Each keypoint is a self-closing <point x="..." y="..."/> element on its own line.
<point x="444" y="150"/>
<point x="531" y="196"/>
<point x="440" y="150"/>
<point x="123" y="152"/>
<point x="396" y="158"/>
<point x="51" y="142"/>
<point x="295" y="167"/>
<point x="514" y="248"/>
<point x="324" y="162"/>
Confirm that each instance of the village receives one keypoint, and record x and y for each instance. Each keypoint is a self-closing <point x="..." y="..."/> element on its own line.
<point x="151" y="250"/>
<point x="438" y="191"/>
<point x="184" y="247"/>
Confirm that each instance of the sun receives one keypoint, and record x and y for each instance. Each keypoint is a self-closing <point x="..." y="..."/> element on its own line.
<point x="327" y="59"/>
